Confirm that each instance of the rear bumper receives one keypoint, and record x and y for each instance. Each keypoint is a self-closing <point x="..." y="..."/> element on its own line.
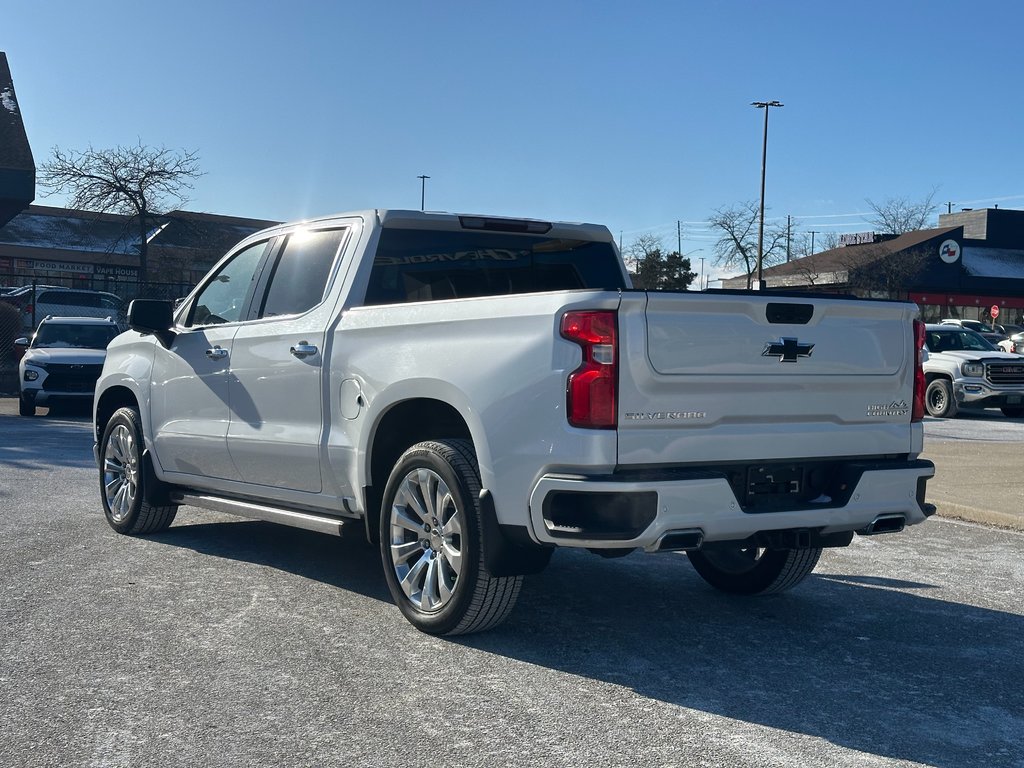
<point x="626" y="512"/>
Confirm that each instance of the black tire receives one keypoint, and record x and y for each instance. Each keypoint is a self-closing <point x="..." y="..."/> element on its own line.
<point x="26" y="407"/>
<point x="123" y="479"/>
<point x="939" y="400"/>
<point x="751" y="571"/>
<point x="431" y="543"/>
<point x="1012" y="412"/>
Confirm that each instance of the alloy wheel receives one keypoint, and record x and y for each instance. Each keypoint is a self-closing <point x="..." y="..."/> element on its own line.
<point x="426" y="540"/>
<point x="120" y="472"/>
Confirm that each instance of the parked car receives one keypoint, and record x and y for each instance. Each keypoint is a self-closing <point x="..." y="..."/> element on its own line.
<point x="42" y="301"/>
<point x="975" y="325"/>
<point x="963" y="370"/>
<point x="994" y="338"/>
<point x="63" y="360"/>
<point x="1014" y="344"/>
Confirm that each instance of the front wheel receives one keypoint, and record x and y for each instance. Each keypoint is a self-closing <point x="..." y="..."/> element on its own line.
<point x="750" y="570"/>
<point x="939" y="400"/>
<point x="431" y="543"/>
<point x="123" y="479"/>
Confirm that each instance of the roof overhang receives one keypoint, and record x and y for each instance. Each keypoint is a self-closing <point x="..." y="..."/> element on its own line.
<point x="17" y="168"/>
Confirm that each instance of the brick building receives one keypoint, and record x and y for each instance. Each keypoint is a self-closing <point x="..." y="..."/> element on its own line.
<point x="60" y="246"/>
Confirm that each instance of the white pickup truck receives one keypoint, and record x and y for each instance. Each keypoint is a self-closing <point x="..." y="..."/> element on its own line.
<point x="964" y="371"/>
<point x="477" y="392"/>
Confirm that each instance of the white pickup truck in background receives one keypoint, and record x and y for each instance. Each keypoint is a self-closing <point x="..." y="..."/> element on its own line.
<point x="477" y="392"/>
<point x="965" y="371"/>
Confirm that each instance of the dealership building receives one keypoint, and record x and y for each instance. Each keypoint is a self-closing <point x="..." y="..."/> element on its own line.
<point x="971" y="262"/>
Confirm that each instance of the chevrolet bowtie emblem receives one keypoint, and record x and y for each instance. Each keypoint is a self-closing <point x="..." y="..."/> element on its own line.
<point x="788" y="350"/>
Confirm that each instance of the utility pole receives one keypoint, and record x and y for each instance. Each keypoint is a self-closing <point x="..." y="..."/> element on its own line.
<point x="423" y="191"/>
<point x="679" y="237"/>
<point x="813" y="233"/>
<point x="949" y="207"/>
<point x="788" y="238"/>
<point x="766" y="106"/>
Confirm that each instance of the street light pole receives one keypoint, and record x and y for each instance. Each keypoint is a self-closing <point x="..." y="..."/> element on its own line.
<point x="765" y="105"/>
<point x="423" y="191"/>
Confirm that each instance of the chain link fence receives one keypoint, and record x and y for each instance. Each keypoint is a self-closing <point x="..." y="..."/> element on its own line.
<point x="23" y="303"/>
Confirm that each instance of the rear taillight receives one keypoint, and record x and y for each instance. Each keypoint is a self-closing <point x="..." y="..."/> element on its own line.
<point x="919" y="382"/>
<point x="28" y="309"/>
<point x="592" y="388"/>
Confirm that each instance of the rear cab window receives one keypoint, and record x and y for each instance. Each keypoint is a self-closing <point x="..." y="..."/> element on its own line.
<point x="431" y="265"/>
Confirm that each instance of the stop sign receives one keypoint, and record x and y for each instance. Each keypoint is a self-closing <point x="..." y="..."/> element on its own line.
<point x="995" y="311"/>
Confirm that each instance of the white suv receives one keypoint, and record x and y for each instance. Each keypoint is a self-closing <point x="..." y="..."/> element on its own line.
<point x="63" y="360"/>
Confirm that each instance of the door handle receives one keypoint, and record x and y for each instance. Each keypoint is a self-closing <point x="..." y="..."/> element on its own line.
<point x="217" y="353"/>
<point x="303" y="349"/>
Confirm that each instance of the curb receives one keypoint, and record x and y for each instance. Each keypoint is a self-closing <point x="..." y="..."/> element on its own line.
<point x="974" y="515"/>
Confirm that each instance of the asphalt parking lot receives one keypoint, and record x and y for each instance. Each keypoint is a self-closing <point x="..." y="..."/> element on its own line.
<point x="224" y="642"/>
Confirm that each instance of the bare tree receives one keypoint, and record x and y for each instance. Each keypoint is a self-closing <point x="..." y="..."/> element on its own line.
<point x="827" y="241"/>
<point x="138" y="181"/>
<point x="737" y="246"/>
<point x="655" y="270"/>
<point x="898" y="214"/>
<point x="640" y="249"/>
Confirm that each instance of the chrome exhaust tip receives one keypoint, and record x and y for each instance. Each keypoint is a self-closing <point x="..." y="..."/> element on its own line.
<point x="680" y="541"/>
<point x="884" y="524"/>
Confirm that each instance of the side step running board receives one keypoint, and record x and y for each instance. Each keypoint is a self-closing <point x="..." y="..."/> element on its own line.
<point x="310" y="522"/>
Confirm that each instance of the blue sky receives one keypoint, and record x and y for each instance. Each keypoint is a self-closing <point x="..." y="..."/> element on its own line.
<point x="634" y="115"/>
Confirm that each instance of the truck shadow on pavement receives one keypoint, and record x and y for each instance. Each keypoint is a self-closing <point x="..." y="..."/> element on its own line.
<point x="348" y="563"/>
<point x="883" y="666"/>
<point x="845" y="658"/>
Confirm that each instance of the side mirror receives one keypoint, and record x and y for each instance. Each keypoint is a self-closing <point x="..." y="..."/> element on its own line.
<point x="20" y="348"/>
<point x="152" y="316"/>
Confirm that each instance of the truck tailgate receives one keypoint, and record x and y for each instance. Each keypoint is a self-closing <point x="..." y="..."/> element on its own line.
<point x="778" y="377"/>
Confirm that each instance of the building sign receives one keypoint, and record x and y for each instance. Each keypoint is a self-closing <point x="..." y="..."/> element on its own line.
<point x="114" y="270"/>
<point x="949" y="251"/>
<point x="857" y="238"/>
<point x="55" y="266"/>
<point x="100" y="270"/>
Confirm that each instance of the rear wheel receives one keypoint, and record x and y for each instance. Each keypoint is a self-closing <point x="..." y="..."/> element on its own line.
<point x="939" y="400"/>
<point x="123" y="479"/>
<point x="750" y="570"/>
<point x="431" y="543"/>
